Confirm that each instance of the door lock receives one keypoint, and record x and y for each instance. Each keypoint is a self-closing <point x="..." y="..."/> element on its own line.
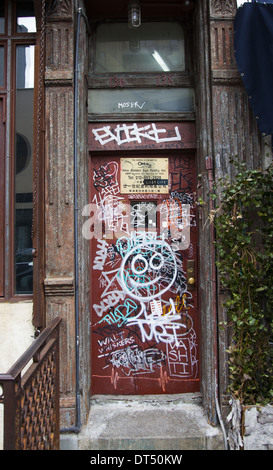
<point x="191" y="274"/>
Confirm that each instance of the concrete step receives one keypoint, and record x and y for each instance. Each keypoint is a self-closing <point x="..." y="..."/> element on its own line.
<point x="161" y="422"/>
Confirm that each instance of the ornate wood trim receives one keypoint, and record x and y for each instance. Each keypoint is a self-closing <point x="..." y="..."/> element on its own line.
<point x="223" y="8"/>
<point x="59" y="286"/>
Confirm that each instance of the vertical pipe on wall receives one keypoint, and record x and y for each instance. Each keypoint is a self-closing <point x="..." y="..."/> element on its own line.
<point x="209" y="167"/>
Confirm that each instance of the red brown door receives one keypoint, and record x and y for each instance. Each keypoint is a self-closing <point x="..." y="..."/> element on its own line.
<point x="144" y="318"/>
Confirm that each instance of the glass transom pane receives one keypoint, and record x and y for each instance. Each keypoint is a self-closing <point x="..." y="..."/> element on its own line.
<point x="153" y="47"/>
<point x="141" y="100"/>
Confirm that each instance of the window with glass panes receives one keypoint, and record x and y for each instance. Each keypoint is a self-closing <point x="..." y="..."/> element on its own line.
<point x="17" y="46"/>
<point x="139" y="71"/>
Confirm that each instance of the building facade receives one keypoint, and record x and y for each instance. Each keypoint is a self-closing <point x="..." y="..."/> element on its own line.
<point x="109" y="136"/>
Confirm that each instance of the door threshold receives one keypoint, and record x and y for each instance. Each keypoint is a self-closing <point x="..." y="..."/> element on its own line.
<point x="187" y="398"/>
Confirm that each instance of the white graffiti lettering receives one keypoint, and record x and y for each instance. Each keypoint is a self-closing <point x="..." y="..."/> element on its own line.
<point x="131" y="104"/>
<point x="134" y="360"/>
<point x="111" y="343"/>
<point x="101" y="255"/>
<point x="112" y="299"/>
<point x="124" y="134"/>
<point x="160" y="328"/>
<point x="148" y="270"/>
<point x="182" y="357"/>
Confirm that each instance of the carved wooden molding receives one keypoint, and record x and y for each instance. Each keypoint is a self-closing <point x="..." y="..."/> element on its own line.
<point x="55" y="82"/>
<point x="59" y="286"/>
<point x="223" y="8"/>
<point x="59" y="8"/>
<point x="224" y="69"/>
<point x="226" y="79"/>
<point x="59" y="50"/>
<point x="59" y="184"/>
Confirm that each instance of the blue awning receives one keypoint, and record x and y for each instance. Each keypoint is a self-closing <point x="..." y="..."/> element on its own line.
<point x="253" y="44"/>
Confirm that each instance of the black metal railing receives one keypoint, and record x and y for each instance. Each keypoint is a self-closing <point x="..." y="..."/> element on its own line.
<point x="29" y="392"/>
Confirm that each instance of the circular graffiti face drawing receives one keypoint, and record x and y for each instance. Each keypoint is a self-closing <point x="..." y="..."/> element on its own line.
<point x="148" y="270"/>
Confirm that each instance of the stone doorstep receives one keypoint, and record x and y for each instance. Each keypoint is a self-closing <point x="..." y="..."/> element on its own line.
<point x="157" y="422"/>
<point x="258" y="427"/>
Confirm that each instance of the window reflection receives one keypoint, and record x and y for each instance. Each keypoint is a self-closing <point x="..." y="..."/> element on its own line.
<point x="25" y="17"/>
<point x="2" y="19"/>
<point x="24" y="168"/>
<point x="2" y="61"/>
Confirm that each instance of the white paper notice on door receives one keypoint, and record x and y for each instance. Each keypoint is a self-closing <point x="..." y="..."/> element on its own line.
<point x="144" y="175"/>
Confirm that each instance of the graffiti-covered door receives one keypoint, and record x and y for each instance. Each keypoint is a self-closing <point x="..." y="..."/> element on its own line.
<point x="144" y="320"/>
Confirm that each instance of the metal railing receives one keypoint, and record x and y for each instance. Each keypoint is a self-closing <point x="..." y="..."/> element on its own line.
<point x="29" y="392"/>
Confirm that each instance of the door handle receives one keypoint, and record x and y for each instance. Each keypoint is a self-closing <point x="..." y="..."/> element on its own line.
<point x="191" y="274"/>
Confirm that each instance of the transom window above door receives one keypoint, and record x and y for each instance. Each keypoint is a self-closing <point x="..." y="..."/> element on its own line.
<point x="153" y="47"/>
<point x="141" y="71"/>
